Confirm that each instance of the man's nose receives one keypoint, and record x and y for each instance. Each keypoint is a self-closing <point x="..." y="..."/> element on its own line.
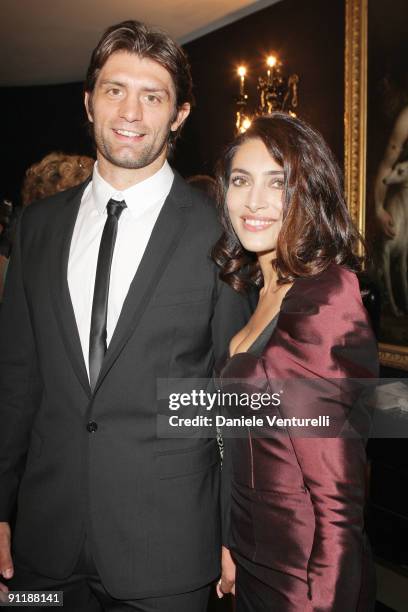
<point x="131" y="108"/>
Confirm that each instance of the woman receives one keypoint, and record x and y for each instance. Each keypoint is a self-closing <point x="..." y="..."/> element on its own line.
<point x="297" y="499"/>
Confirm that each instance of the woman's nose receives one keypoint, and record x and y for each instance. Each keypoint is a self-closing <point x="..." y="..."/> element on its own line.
<point x="256" y="199"/>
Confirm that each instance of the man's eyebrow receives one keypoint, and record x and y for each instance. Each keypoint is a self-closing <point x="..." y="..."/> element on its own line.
<point x="149" y="89"/>
<point x="153" y="89"/>
<point x="112" y="82"/>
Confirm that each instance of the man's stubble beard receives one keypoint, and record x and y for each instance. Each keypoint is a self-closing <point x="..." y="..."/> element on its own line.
<point x="146" y="156"/>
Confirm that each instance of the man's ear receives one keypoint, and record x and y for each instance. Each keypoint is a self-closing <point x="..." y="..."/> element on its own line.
<point x="182" y="114"/>
<point x="88" y="105"/>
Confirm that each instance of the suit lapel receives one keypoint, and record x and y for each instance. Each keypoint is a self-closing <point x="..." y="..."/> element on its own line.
<point x="62" y="230"/>
<point x="163" y="241"/>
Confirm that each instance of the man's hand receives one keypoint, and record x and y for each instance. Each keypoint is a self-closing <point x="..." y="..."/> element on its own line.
<point x="6" y="562"/>
<point x="386" y="222"/>
<point x="227" y="582"/>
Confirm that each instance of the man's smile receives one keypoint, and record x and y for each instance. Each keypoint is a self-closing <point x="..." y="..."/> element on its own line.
<point x="129" y="134"/>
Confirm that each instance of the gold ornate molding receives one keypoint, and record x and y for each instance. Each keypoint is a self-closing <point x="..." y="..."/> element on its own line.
<point x="355" y="117"/>
<point x="393" y="356"/>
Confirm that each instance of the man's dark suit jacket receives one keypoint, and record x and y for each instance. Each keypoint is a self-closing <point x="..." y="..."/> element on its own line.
<point x="148" y="505"/>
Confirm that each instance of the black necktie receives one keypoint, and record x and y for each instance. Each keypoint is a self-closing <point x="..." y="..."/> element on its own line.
<point x="97" y="337"/>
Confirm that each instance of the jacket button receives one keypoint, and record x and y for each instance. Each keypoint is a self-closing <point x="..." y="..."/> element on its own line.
<point x="92" y="426"/>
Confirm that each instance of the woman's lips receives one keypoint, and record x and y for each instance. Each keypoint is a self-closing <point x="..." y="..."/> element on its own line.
<point x="257" y="224"/>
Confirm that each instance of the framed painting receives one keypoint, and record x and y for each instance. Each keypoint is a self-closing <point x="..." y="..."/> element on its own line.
<point x="376" y="157"/>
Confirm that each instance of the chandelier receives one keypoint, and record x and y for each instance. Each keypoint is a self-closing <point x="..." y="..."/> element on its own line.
<point x="276" y="93"/>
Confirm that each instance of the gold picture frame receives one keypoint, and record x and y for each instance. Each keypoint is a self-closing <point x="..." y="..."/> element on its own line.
<point x="355" y="137"/>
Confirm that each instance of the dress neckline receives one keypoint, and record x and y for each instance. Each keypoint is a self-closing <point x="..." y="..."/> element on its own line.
<point x="264" y="332"/>
<point x="260" y="336"/>
<point x="269" y="324"/>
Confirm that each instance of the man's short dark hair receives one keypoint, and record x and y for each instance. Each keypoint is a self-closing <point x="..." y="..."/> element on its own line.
<point x="146" y="42"/>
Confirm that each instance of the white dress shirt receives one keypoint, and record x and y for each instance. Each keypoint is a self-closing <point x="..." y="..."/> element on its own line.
<point x="144" y="202"/>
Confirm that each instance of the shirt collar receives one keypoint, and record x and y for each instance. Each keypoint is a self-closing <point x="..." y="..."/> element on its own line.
<point x="139" y="197"/>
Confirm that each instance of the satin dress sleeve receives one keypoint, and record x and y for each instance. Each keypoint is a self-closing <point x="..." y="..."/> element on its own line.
<point x="323" y="333"/>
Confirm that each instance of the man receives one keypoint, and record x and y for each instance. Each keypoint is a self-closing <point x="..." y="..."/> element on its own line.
<point x="110" y="288"/>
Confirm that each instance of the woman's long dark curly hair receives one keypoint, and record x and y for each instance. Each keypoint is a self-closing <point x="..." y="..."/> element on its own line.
<point x="316" y="229"/>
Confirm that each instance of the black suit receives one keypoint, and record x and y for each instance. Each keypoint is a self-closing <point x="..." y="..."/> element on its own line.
<point x="149" y="506"/>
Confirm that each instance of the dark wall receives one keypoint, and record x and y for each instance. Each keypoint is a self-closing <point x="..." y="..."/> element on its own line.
<point x="308" y="36"/>
<point x="39" y="120"/>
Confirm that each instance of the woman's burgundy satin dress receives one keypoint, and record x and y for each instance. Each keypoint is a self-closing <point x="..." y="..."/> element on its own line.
<point x="296" y="524"/>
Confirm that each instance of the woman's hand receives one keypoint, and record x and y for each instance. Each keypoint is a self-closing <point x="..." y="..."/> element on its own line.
<point x="227" y="582"/>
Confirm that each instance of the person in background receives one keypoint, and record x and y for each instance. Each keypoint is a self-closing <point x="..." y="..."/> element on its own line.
<point x="294" y="497"/>
<point x="55" y="172"/>
<point x="205" y="183"/>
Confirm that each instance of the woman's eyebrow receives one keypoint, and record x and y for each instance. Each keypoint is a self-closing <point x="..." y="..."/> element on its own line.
<point x="268" y="172"/>
<point x="240" y="170"/>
